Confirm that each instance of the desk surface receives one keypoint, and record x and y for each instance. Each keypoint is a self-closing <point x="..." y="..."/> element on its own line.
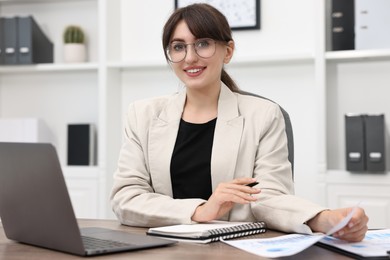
<point x="188" y="251"/>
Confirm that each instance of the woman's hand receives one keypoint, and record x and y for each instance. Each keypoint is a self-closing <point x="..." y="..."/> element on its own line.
<point x="354" y="231"/>
<point x="224" y="198"/>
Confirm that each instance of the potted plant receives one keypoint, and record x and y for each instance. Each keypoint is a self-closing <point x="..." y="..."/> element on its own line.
<point x="74" y="44"/>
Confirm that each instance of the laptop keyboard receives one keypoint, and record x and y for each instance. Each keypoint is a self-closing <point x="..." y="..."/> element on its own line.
<point x="96" y="243"/>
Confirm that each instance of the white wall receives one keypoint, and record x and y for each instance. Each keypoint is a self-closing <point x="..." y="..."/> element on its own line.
<point x="284" y="29"/>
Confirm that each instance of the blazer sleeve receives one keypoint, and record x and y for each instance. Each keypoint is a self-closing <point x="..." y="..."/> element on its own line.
<point x="277" y="204"/>
<point x="133" y="198"/>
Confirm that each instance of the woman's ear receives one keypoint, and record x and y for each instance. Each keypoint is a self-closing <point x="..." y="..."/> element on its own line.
<point x="229" y="52"/>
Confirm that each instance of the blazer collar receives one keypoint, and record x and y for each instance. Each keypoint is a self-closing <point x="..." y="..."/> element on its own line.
<point x="227" y="136"/>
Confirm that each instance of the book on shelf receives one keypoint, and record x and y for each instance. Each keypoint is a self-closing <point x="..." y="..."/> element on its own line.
<point x="355" y="142"/>
<point x="2" y="51"/>
<point x="33" y="46"/>
<point x="23" y="42"/>
<point x="365" y="142"/>
<point x="375" y="142"/>
<point x="209" y="231"/>
<point x="372" y="21"/>
<point x="342" y="25"/>
<point x="81" y="144"/>
<point x="25" y="130"/>
<point x="10" y="39"/>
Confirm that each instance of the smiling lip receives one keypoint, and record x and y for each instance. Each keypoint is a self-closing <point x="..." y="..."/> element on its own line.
<point x="194" y="71"/>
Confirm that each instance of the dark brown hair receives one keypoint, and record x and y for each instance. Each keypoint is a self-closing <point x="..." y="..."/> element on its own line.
<point x="204" y="21"/>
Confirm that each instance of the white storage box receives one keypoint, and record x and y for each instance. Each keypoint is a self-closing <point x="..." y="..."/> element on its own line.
<point x="29" y="130"/>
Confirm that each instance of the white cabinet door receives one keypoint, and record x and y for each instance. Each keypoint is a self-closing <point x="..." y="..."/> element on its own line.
<point x="375" y="199"/>
<point x="83" y="188"/>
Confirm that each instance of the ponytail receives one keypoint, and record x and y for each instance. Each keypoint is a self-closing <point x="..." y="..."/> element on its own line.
<point x="229" y="82"/>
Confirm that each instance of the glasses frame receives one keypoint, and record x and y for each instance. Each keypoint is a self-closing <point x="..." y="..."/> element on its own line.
<point x="195" y="49"/>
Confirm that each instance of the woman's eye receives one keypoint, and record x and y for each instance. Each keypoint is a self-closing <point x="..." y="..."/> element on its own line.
<point x="178" y="47"/>
<point x="203" y="44"/>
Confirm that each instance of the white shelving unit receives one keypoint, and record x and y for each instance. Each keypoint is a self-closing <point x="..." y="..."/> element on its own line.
<point x="358" y="55"/>
<point x="354" y="81"/>
<point x="287" y="61"/>
<point x="60" y="93"/>
<point x="93" y="67"/>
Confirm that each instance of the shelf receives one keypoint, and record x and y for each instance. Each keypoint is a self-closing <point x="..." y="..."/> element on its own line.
<point x="357" y="55"/>
<point x="12" y="2"/>
<point x="81" y="172"/>
<point x="345" y="177"/>
<point x="128" y="65"/>
<point x="60" y="67"/>
<point x="273" y="59"/>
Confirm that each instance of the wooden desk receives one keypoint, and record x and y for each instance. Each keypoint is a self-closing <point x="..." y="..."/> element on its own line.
<point x="11" y="250"/>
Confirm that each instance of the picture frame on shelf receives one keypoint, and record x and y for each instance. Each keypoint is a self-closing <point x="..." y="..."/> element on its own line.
<point x="241" y="14"/>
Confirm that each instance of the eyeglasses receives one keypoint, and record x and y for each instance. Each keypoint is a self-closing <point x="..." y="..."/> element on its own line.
<point x="204" y="48"/>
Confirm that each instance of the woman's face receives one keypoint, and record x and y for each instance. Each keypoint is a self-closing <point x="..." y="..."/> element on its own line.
<point x="194" y="71"/>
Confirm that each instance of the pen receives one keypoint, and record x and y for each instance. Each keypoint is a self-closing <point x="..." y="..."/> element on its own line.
<point x="252" y="184"/>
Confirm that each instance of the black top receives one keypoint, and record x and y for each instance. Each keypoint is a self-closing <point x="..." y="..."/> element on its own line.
<point x="190" y="163"/>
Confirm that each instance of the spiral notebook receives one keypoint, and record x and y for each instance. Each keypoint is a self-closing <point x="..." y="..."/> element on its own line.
<point x="209" y="231"/>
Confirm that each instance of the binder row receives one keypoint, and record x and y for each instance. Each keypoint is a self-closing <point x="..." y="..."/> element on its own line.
<point x="360" y="24"/>
<point x="365" y="143"/>
<point x="23" y="42"/>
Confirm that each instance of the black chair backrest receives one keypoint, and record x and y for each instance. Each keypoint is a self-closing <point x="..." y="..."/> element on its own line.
<point x="289" y="130"/>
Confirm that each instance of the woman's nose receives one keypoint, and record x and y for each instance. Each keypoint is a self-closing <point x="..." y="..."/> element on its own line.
<point x="191" y="54"/>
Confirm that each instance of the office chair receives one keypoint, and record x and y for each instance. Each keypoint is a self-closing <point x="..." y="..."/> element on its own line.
<point x="288" y="127"/>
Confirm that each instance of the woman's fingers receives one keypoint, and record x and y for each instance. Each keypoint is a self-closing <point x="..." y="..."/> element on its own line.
<point x="224" y="197"/>
<point x="237" y="193"/>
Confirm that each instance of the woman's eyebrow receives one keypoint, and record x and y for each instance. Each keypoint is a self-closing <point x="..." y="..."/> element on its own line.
<point x="177" y="40"/>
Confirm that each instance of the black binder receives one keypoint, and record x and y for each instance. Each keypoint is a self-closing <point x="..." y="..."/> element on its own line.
<point x="81" y="144"/>
<point x="375" y="143"/>
<point x="1" y="40"/>
<point x="10" y="40"/>
<point x="33" y="45"/>
<point x="343" y="24"/>
<point x="355" y="143"/>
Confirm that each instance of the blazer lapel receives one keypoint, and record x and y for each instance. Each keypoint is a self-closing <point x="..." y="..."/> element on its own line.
<point x="227" y="137"/>
<point x="162" y="138"/>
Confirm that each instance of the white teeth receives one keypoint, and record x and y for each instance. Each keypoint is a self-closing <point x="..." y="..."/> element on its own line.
<point x="193" y="70"/>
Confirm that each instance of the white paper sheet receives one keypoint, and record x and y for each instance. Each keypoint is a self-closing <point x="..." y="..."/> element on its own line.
<point x="278" y="246"/>
<point x="285" y="245"/>
<point x="376" y="243"/>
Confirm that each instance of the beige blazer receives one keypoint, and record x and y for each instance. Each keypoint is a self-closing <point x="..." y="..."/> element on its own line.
<point x="249" y="141"/>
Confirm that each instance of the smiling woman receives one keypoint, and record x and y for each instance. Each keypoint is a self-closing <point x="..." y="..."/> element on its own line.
<point x="191" y="157"/>
<point x="196" y="24"/>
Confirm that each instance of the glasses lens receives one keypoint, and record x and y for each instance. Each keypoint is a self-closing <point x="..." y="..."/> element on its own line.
<point x="176" y="51"/>
<point x="205" y="48"/>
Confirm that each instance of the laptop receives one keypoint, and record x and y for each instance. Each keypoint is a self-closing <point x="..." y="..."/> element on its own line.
<point x="35" y="206"/>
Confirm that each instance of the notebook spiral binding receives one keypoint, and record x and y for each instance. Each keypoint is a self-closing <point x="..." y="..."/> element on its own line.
<point x="237" y="231"/>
